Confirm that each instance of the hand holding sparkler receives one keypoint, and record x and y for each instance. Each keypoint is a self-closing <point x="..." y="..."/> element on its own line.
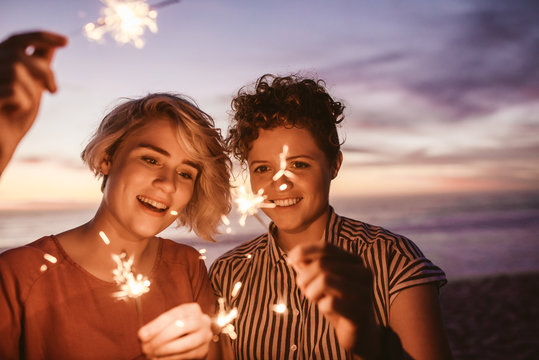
<point x="25" y="73"/>
<point x="184" y="332"/>
<point x="340" y="285"/>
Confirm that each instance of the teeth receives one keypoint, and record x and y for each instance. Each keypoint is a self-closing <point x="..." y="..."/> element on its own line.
<point x="151" y="202"/>
<point x="287" y="202"/>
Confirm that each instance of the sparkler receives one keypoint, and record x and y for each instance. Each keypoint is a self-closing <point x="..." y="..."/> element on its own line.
<point x="131" y="285"/>
<point x="249" y="203"/>
<point x="125" y="20"/>
<point x="225" y="318"/>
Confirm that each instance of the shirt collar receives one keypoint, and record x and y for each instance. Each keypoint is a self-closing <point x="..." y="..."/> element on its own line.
<point x="333" y="227"/>
<point x="331" y="235"/>
<point x="276" y="254"/>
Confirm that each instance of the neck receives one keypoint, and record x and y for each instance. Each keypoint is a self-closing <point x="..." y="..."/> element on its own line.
<point x="312" y="233"/>
<point x="87" y="247"/>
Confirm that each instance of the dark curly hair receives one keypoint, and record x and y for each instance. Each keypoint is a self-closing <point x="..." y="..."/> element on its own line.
<point x="290" y="101"/>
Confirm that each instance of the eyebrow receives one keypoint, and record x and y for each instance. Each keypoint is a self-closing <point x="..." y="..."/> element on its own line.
<point x="166" y="153"/>
<point x="154" y="148"/>
<point x="289" y="158"/>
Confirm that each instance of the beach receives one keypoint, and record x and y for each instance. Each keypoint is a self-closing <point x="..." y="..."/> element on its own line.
<point x="494" y="317"/>
<point x="486" y="243"/>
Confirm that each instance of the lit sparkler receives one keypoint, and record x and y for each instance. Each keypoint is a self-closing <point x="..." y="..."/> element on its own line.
<point x="131" y="285"/>
<point x="225" y="318"/>
<point x="249" y="203"/>
<point x="125" y="20"/>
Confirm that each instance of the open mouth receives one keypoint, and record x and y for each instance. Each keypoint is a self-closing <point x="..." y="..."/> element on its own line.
<point x="152" y="204"/>
<point x="287" y="202"/>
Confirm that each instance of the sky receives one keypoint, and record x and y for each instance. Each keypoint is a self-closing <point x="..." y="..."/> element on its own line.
<point x="440" y="97"/>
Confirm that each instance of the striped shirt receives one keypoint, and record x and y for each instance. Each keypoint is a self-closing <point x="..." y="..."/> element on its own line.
<point x="301" y="331"/>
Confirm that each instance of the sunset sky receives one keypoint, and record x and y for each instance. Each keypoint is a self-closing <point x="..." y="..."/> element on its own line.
<point x="440" y="97"/>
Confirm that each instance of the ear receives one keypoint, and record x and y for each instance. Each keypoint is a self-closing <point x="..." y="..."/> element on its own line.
<point x="336" y="165"/>
<point x="105" y="165"/>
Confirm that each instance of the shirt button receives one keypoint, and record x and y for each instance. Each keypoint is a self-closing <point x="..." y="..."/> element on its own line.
<point x="293" y="347"/>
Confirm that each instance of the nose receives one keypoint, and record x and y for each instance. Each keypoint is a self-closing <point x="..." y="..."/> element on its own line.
<point x="165" y="181"/>
<point x="283" y="183"/>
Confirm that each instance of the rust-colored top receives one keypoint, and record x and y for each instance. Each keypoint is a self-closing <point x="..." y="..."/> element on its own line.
<point x="60" y="311"/>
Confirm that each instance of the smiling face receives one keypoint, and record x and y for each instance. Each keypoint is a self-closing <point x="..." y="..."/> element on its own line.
<point x="301" y="195"/>
<point x="150" y="180"/>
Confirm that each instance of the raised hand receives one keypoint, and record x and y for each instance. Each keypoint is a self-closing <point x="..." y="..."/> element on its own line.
<point x="340" y="285"/>
<point x="25" y="72"/>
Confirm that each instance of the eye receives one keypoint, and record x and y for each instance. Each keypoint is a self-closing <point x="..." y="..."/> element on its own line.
<point x="261" y="169"/>
<point x="150" y="160"/>
<point x="300" y="165"/>
<point x="186" y="175"/>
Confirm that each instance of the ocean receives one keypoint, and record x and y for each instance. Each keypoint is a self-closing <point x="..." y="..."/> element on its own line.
<point x="467" y="235"/>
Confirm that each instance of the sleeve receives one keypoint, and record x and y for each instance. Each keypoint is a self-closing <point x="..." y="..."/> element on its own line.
<point x="409" y="267"/>
<point x="11" y="308"/>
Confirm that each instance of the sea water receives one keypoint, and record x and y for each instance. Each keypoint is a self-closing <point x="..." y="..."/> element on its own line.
<point x="467" y="235"/>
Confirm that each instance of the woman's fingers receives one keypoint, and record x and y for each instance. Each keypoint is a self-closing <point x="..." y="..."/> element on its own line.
<point x="177" y="332"/>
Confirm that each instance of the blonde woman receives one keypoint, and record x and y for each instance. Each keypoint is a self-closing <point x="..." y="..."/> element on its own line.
<point x="161" y="160"/>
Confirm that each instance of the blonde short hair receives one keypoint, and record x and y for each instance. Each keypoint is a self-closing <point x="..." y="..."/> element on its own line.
<point x="197" y="134"/>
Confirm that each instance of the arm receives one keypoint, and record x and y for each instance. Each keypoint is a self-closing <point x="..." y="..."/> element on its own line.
<point x="416" y="317"/>
<point x="341" y="287"/>
<point x="24" y="74"/>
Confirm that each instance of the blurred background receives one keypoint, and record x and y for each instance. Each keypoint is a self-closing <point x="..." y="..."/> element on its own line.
<point x="441" y="128"/>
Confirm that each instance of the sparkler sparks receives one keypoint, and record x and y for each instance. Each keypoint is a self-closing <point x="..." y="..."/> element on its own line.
<point x="279" y="308"/>
<point x="249" y="203"/>
<point x="225" y="318"/>
<point x="104" y="237"/>
<point x="131" y="286"/>
<point x="125" y="20"/>
<point x="202" y="252"/>
<point x="225" y="221"/>
<point x="236" y="289"/>
<point x="282" y="170"/>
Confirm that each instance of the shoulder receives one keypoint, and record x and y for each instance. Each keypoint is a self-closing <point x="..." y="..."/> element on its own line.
<point x="37" y="251"/>
<point x="377" y="237"/>
<point x="22" y="267"/>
